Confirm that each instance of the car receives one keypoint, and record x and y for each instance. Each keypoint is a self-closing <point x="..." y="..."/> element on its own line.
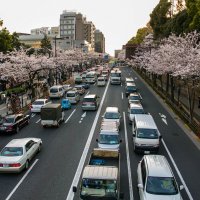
<point x="73" y="96"/>
<point x="130" y="88"/>
<point x="67" y="87"/>
<point x="134" y="98"/>
<point x="38" y="104"/>
<point x="90" y="102"/>
<point x="18" y="153"/>
<point x="13" y="123"/>
<point x="129" y="80"/>
<point x="101" y="81"/>
<point x="156" y="179"/>
<point x="112" y="114"/>
<point x="80" y="89"/>
<point x="56" y="91"/>
<point x="85" y="85"/>
<point x="134" y="109"/>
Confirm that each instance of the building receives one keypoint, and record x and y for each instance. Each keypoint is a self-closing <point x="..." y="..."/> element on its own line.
<point x="117" y="52"/>
<point x="80" y="27"/>
<point x="90" y="34"/>
<point x="99" y="42"/>
<point x="68" y="25"/>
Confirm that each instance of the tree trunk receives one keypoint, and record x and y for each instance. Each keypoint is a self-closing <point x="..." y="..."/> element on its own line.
<point x="172" y="88"/>
<point x="167" y="84"/>
<point x="191" y="101"/>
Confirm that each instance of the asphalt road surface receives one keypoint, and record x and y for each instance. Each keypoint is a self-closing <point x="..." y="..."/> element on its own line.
<point x="66" y="149"/>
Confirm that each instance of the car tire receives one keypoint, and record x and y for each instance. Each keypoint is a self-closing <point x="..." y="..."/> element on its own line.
<point x="26" y="165"/>
<point x="39" y="148"/>
<point x="17" y="129"/>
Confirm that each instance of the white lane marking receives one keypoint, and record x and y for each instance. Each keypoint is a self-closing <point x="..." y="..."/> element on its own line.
<point x="122" y="95"/>
<point x="128" y="160"/>
<point x="32" y="115"/>
<point x="121" y="84"/>
<point x="177" y="170"/>
<point x="80" y="121"/>
<point x="38" y="121"/>
<point x="75" y="181"/>
<point x="20" y="182"/>
<point x="87" y="93"/>
<point x="164" y="118"/>
<point x="70" y="116"/>
<point x="83" y="115"/>
<point x="94" y="83"/>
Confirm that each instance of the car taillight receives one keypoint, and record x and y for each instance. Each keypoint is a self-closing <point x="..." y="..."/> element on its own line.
<point x="10" y="127"/>
<point x="1" y="165"/>
<point x="15" y="165"/>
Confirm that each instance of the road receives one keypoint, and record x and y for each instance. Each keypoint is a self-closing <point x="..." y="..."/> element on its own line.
<point x="64" y="148"/>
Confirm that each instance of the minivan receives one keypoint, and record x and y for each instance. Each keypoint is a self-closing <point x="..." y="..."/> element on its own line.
<point x="130" y="88"/>
<point x="156" y="179"/>
<point x="101" y="81"/>
<point x="90" y="102"/>
<point x="146" y="136"/>
<point x="112" y="114"/>
<point x="56" y="91"/>
<point x="73" y="96"/>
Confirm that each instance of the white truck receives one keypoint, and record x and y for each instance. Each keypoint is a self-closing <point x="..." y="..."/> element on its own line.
<point x="101" y="177"/>
<point x="115" y="77"/>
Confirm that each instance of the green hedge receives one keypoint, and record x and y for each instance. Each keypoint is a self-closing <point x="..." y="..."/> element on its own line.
<point x="16" y="90"/>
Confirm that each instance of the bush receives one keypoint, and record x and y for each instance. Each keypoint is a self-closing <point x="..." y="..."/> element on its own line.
<point x="17" y="90"/>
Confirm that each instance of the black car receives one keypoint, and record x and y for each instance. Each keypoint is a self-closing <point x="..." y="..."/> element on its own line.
<point x="13" y="123"/>
<point x="85" y="85"/>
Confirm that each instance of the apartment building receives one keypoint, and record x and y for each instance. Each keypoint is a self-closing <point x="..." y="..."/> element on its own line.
<point x="99" y="42"/>
<point x="90" y="33"/>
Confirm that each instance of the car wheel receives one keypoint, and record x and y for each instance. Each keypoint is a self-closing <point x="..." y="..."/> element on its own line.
<point x="17" y="129"/>
<point x="27" y="165"/>
<point x="39" y="148"/>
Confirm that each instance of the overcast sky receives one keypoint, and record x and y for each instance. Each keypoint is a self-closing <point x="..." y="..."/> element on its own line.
<point x="119" y="20"/>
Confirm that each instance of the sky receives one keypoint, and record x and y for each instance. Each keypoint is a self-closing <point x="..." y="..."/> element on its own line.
<point x="119" y="20"/>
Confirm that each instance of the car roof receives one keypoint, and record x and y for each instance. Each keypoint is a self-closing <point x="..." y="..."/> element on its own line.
<point x="90" y="96"/>
<point x="112" y="109"/>
<point x="134" y="94"/>
<point x="130" y="84"/>
<point x="129" y="79"/>
<point x="135" y="105"/>
<point x="13" y="115"/>
<point x="41" y="99"/>
<point x="72" y="91"/>
<point x="158" y="166"/>
<point x="109" y="132"/>
<point x="18" y="142"/>
<point x="56" y="86"/>
<point x="145" y="121"/>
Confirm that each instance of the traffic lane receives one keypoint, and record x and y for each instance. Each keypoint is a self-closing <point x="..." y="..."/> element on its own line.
<point x="176" y="141"/>
<point x="56" y="146"/>
<point x="113" y="98"/>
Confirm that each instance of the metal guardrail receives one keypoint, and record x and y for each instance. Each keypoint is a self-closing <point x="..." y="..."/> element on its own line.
<point x="179" y="109"/>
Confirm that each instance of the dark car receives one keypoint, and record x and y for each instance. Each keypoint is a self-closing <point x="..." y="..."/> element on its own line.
<point x="130" y="88"/>
<point x="85" y="85"/>
<point x="13" y="123"/>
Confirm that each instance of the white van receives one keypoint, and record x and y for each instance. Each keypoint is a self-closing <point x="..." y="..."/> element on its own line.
<point x="112" y="114"/>
<point x="101" y="81"/>
<point x="91" y="77"/>
<point x="73" y="96"/>
<point x="109" y="139"/>
<point x="146" y="136"/>
<point x="156" y="179"/>
<point x="56" y="91"/>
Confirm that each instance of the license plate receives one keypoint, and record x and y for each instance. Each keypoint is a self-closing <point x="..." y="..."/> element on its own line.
<point x="5" y="165"/>
<point x="147" y="152"/>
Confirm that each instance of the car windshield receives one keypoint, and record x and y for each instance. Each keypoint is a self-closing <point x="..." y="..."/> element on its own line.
<point x="9" y="120"/>
<point x="134" y="98"/>
<point x="109" y="139"/>
<point x="53" y="90"/>
<point x="111" y="115"/>
<point x="147" y="133"/>
<point x="88" y="100"/>
<point x="98" y="188"/>
<point x="12" y="151"/>
<point x="38" y="103"/>
<point x="161" y="185"/>
<point x="130" y="88"/>
<point x="137" y="111"/>
<point x="70" y="94"/>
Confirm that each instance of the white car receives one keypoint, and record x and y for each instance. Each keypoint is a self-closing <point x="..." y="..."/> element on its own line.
<point x="17" y="154"/>
<point x="156" y="180"/>
<point x="134" y="109"/>
<point x="134" y="98"/>
<point x="38" y="104"/>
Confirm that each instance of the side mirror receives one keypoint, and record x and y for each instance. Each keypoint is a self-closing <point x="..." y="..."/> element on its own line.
<point x="121" y="195"/>
<point x="74" y="189"/>
<point x="120" y="141"/>
<point x="181" y="187"/>
<point x="133" y="134"/>
<point x="140" y="186"/>
<point x="160" y="137"/>
<point x="97" y="140"/>
<point x="102" y="116"/>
